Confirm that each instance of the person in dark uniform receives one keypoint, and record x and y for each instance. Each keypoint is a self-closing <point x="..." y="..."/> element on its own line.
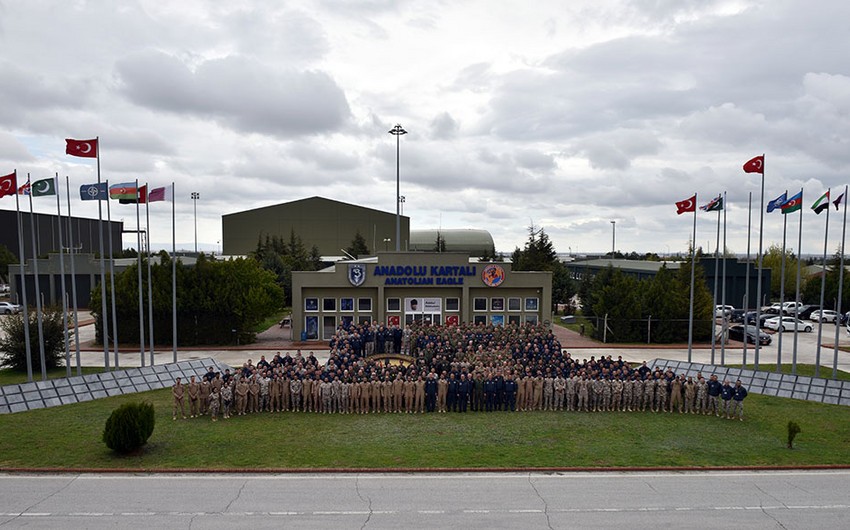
<point x="490" y="394"/>
<point x="462" y="393"/>
<point x="430" y="393"/>
<point x="726" y="392"/>
<point x="738" y="400"/>
<point x="451" y="396"/>
<point x="479" y="394"/>
<point x="510" y="394"/>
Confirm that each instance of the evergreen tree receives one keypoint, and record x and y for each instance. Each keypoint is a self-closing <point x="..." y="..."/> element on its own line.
<point x="358" y="246"/>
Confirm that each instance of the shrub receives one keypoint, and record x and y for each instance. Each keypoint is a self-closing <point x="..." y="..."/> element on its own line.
<point x="129" y="427"/>
<point x="13" y="347"/>
<point x="793" y="431"/>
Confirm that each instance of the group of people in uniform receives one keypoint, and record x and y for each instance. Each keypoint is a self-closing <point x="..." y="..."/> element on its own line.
<point x="454" y="369"/>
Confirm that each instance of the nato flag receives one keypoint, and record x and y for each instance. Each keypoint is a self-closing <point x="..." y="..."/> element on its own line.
<point x="94" y="192"/>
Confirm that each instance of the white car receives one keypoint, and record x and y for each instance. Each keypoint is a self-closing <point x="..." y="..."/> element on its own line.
<point x="787" y="324"/>
<point x="723" y="310"/>
<point x="826" y="315"/>
<point x="7" y="308"/>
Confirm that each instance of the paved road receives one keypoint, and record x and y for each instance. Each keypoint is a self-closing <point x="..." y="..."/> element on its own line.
<point x="579" y="500"/>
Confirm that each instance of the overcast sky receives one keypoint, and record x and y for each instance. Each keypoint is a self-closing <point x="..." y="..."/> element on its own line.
<point x="565" y="114"/>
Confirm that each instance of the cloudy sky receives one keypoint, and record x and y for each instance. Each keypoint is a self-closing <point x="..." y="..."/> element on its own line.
<point x="567" y="115"/>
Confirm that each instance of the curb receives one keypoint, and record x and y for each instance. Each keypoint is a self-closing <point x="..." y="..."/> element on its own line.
<point x="395" y="470"/>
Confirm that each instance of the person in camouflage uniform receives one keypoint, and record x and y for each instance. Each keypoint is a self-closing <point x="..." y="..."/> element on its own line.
<point x="702" y="396"/>
<point x="295" y="387"/>
<point x="226" y="399"/>
<point x="559" y="386"/>
<point x="214" y="403"/>
<point x="607" y="394"/>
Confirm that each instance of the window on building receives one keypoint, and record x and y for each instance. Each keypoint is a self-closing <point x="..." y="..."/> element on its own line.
<point x="479" y="304"/>
<point x="479" y="319"/>
<point x="531" y="304"/>
<point x="393" y="304"/>
<point x="497" y="304"/>
<point x="311" y="304"/>
<point x="514" y="320"/>
<point x="452" y="304"/>
<point x="328" y="304"/>
<point x="346" y="304"/>
<point x="364" y="304"/>
<point x="364" y="319"/>
<point x="514" y="304"/>
<point x="531" y="319"/>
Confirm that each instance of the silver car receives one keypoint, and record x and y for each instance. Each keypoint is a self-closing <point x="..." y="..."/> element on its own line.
<point x="7" y="308"/>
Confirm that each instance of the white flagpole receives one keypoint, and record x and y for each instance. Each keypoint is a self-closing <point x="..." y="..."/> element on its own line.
<point x="104" y="320"/>
<point x="22" y="259"/>
<point x="760" y="264"/>
<point x="714" y="291"/>
<point x="840" y="290"/>
<point x="112" y="282"/>
<point x="38" y="310"/>
<point x="173" y="273"/>
<point x="139" y="266"/>
<point x="693" y="266"/>
<point x="62" y="282"/>
<point x="150" y="278"/>
<point x="822" y="283"/>
<point x="73" y="276"/>
<point x="723" y="291"/>
<point x="782" y="291"/>
<point x="747" y="285"/>
<point x="797" y="289"/>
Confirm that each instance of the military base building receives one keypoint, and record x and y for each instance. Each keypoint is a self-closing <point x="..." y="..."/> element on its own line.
<point x="398" y="288"/>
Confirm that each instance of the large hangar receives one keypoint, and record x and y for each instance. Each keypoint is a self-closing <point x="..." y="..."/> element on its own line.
<point x="330" y="225"/>
<point x="475" y="242"/>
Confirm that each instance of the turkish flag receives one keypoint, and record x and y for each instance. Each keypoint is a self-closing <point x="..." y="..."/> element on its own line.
<point x="688" y="205"/>
<point x="8" y="184"/>
<point x="756" y="165"/>
<point x="82" y="148"/>
<point x="452" y="320"/>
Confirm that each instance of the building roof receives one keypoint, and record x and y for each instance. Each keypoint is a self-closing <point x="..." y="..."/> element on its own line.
<point x="315" y="199"/>
<point x="456" y="239"/>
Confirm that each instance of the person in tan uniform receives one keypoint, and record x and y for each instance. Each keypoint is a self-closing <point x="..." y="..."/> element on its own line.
<point x="284" y="393"/>
<point x="241" y="396"/>
<point x="419" y="396"/>
<point x="676" y="395"/>
<point x="194" y="391"/>
<point x="398" y="391"/>
<point x="537" y="387"/>
<point x="354" y="398"/>
<point x="409" y="392"/>
<point x="177" y="393"/>
<point x="387" y="394"/>
<point x="376" y="395"/>
<point x="317" y="396"/>
<point x="307" y="392"/>
<point x="442" y="392"/>
<point x="365" y="397"/>
<point x="253" y="395"/>
<point x="529" y="392"/>
<point x="274" y="394"/>
<point x="520" y="392"/>
<point x="204" y="395"/>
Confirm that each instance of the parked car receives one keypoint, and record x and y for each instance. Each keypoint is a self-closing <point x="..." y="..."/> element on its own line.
<point x="788" y="307"/>
<point x="751" y="332"/>
<point x="7" y="308"/>
<point x="723" y="310"/>
<point x="824" y="315"/>
<point x="751" y="318"/>
<point x="787" y="324"/>
<point x="806" y="311"/>
<point x="737" y="315"/>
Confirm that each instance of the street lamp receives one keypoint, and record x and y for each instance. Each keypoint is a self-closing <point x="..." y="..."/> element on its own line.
<point x="397" y="131"/>
<point x="195" y="197"/>
<point x="401" y="200"/>
<point x="613" y="238"/>
<point x="387" y="243"/>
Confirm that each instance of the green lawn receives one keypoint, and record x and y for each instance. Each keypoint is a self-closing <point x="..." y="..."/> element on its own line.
<point x="69" y="437"/>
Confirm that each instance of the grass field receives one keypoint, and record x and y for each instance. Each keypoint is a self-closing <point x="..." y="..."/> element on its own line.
<point x="69" y="437"/>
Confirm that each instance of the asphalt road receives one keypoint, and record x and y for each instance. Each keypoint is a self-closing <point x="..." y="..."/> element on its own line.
<point x="794" y="499"/>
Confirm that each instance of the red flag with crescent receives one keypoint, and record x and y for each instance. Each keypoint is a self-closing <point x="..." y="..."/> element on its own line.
<point x="82" y="148"/>
<point x="8" y="184"/>
<point x="755" y="165"/>
<point x="688" y="205"/>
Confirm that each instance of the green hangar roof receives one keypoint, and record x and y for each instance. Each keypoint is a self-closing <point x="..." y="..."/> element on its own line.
<point x="468" y="240"/>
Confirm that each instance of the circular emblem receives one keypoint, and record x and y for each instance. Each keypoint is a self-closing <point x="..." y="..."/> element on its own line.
<point x="493" y="275"/>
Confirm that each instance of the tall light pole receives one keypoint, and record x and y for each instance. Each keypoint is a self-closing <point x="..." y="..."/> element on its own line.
<point x="195" y="197"/>
<point x="613" y="238"/>
<point x="397" y="131"/>
<point x="401" y="199"/>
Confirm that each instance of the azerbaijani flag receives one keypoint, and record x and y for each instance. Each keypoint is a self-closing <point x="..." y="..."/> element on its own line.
<point x="126" y="190"/>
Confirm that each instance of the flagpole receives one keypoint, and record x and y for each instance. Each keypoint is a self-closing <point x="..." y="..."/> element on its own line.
<point x="723" y="291"/>
<point x="822" y="285"/>
<point x="797" y="289"/>
<point x="840" y="286"/>
<point x="38" y="310"/>
<point x="112" y="282"/>
<point x="139" y="267"/>
<point x="22" y="259"/>
<point x="691" y="303"/>
<point x="747" y="285"/>
<point x="73" y="276"/>
<point x="173" y="273"/>
<point x="62" y="282"/>
<point x="761" y="264"/>
<point x="782" y="291"/>
<point x="104" y="320"/>
<point x="150" y="278"/>
<point x="714" y="292"/>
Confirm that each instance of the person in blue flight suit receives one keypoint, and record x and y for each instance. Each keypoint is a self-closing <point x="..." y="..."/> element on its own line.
<point x="489" y="393"/>
<point x="738" y="400"/>
<point x="499" y="392"/>
<point x="463" y="388"/>
<point x="510" y="394"/>
<point x="430" y="393"/>
<point x="451" y="396"/>
<point x="726" y="392"/>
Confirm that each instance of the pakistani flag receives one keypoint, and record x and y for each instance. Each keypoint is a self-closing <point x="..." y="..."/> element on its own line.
<point x="822" y="203"/>
<point x="40" y="188"/>
<point x="714" y="205"/>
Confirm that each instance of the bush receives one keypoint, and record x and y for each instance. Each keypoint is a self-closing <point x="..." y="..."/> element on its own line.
<point x="793" y="431"/>
<point x="13" y="352"/>
<point x="129" y="427"/>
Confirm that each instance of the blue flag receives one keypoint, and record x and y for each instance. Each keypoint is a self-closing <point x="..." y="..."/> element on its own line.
<point x="777" y="202"/>
<point x="94" y="192"/>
